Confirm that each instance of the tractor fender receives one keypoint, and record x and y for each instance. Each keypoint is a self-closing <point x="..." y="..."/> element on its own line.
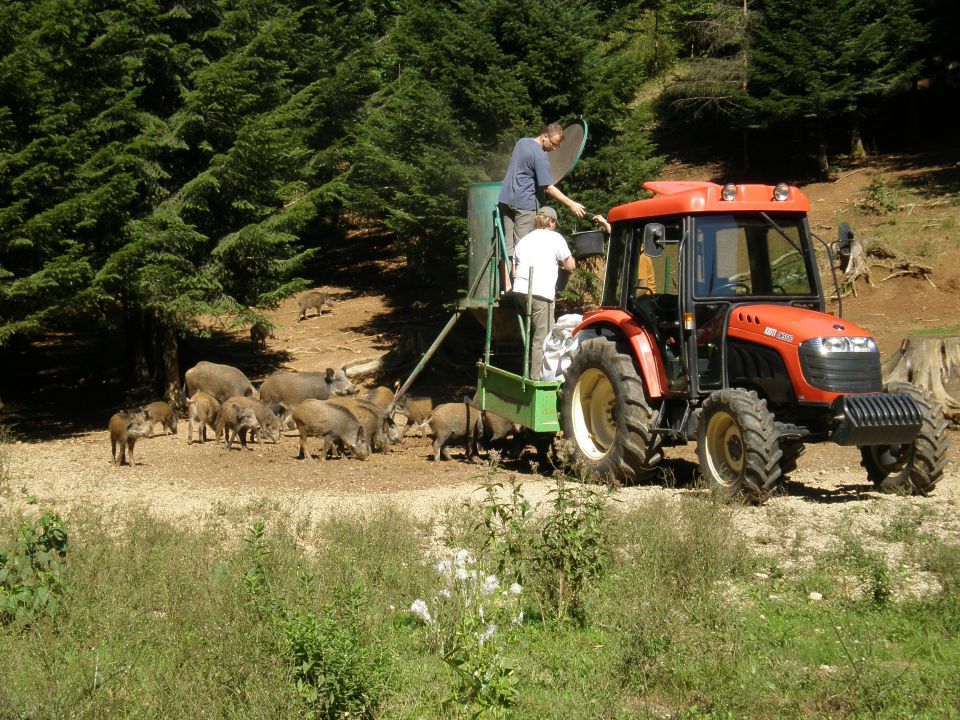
<point x="619" y="324"/>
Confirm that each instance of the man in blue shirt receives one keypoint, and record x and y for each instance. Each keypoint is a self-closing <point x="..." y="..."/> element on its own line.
<point x="527" y="175"/>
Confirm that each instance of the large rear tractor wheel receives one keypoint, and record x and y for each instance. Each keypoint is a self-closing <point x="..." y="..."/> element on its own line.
<point x="605" y="414"/>
<point x="915" y="467"/>
<point x="738" y="445"/>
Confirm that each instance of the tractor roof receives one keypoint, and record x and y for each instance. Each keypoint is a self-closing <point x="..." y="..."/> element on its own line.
<point x="683" y="197"/>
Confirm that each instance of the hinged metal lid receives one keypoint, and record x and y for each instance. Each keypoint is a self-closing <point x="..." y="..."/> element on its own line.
<point x="565" y="157"/>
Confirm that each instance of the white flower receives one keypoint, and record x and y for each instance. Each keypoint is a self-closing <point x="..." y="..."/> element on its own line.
<point x="490" y="585"/>
<point x="488" y="633"/>
<point x="463" y="557"/>
<point x="515" y="589"/>
<point x="446" y="593"/>
<point x="419" y="608"/>
<point x="443" y="567"/>
<point x="518" y="620"/>
<point x="462" y="574"/>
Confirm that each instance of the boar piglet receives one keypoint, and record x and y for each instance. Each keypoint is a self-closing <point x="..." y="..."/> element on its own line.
<point x="259" y="332"/>
<point x="418" y="411"/>
<point x="380" y="396"/>
<point x="160" y="412"/>
<point x="270" y="425"/>
<point x="336" y="427"/>
<point x="235" y="420"/>
<point x="125" y="428"/>
<point x="202" y="409"/>
<point x="455" y="421"/>
<point x="379" y="429"/>
<point x="313" y="299"/>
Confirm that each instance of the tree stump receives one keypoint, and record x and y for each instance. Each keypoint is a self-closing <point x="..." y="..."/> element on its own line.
<point x="933" y="364"/>
<point x="870" y="253"/>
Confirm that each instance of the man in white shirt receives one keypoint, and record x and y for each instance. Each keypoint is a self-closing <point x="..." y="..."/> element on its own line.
<point x="540" y="255"/>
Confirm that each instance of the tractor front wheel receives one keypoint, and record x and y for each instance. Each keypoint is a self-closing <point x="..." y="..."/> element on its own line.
<point x="605" y="414"/>
<point x="738" y="445"/>
<point x="914" y="467"/>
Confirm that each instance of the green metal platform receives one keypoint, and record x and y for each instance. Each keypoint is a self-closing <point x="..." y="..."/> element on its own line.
<point x="532" y="403"/>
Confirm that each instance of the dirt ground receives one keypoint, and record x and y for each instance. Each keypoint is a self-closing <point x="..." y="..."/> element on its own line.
<point x="71" y="468"/>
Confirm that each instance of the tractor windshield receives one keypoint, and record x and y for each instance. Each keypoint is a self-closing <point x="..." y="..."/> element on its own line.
<point x="738" y="255"/>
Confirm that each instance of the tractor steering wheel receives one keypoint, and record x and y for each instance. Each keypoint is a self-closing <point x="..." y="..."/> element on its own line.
<point x="733" y="284"/>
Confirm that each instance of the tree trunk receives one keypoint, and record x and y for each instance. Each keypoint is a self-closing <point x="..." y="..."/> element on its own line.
<point x="933" y="364"/>
<point x="857" y="151"/>
<point x="136" y="342"/>
<point x="170" y="358"/>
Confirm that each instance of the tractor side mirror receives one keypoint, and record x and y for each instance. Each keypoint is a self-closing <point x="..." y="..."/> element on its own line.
<point x="654" y="235"/>
<point x="845" y="235"/>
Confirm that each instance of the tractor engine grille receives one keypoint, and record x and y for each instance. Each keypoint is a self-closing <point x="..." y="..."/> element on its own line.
<point x="843" y="372"/>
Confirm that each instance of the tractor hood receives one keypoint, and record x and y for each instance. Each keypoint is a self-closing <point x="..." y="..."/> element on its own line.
<point x="788" y="324"/>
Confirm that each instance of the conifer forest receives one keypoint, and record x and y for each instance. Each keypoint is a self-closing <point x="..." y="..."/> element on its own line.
<point x="162" y="161"/>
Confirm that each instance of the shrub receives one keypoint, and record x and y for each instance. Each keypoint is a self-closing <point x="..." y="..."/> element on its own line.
<point x="32" y="574"/>
<point x="558" y="557"/>
<point x="337" y="672"/>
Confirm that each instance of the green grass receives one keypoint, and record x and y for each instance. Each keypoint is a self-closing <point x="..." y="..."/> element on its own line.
<point x="945" y="330"/>
<point x="161" y="621"/>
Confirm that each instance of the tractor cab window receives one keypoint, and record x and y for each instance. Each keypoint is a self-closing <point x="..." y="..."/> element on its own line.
<point x="656" y="275"/>
<point x="743" y="255"/>
<point x="613" y="279"/>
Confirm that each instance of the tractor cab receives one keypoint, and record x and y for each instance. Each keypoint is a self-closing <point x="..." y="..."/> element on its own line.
<point x="678" y="271"/>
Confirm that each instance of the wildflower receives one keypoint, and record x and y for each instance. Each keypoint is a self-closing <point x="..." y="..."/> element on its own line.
<point x="462" y="574"/>
<point x="518" y="620"/>
<point x="490" y="585"/>
<point x="445" y="593"/>
<point x="463" y="557"/>
<point x="419" y="608"/>
<point x="515" y="589"/>
<point x="443" y="567"/>
<point x="488" y="633"/>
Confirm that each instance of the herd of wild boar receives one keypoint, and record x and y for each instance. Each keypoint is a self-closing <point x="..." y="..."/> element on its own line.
<point x="323" y="405"/>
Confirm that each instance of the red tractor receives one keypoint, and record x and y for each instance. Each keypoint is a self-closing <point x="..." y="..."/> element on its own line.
<point x="713" y="328"/>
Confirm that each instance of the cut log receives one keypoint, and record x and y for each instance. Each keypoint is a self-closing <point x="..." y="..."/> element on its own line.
<point x="414" y="342"/>
<point x="933" y="364"/>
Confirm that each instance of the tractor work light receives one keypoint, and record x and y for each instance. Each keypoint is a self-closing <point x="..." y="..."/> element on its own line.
<point x="781" y="192"/>
<point x="729" y="192"/>
<point x="828" y="345"/>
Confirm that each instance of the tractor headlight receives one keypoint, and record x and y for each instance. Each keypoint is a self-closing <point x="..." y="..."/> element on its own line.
<point x="781" y="192"/>
<point x="827" y="345"/>
<point x="729" y="192"/>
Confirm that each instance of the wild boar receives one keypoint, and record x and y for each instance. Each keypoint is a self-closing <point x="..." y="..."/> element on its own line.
<point x="125" y="428"/>
<point x="313" y="299"/>
<point x="270" y="425"/>
<point x="379" y="429"/>
<point x="455" y="421"/>
<point x="496" y="431"/>
<point x="380" y="396"/>
<point x="336" y="427"/>
<point x="259" y="332"/>
<point x="160" y="412"/>
<point x="418" y="411"/>
<point x="292" y="388"/>
<point x="235" y="420"/>
<point x="221" y="381"/>
<point x="203" y="409"/>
